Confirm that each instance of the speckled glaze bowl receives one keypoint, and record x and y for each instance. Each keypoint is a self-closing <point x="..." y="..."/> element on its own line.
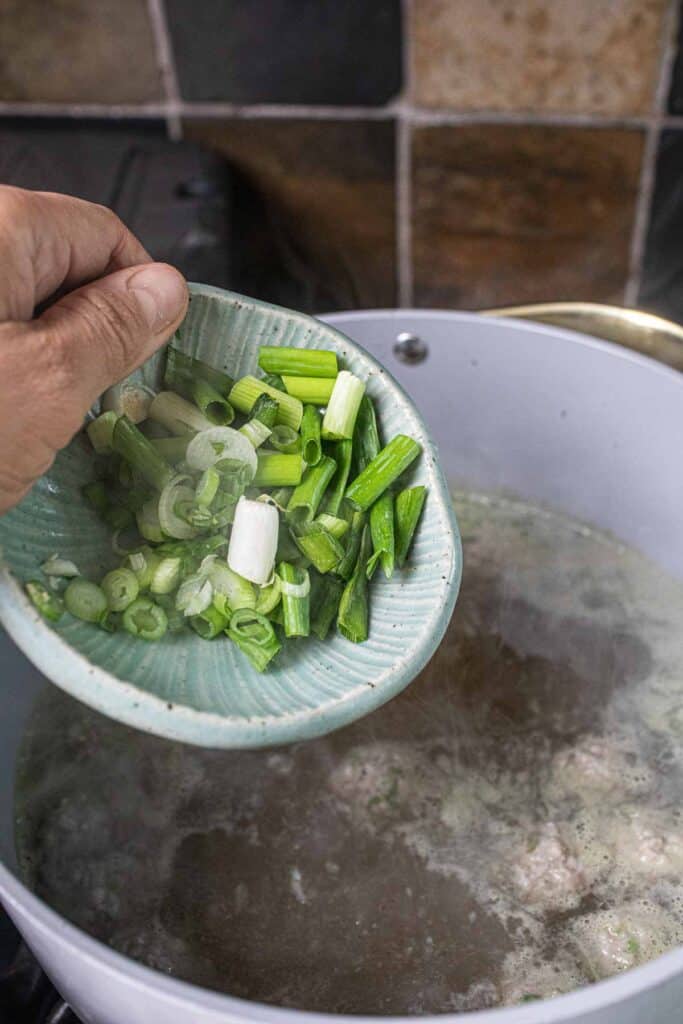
<point x="207" y="692"/>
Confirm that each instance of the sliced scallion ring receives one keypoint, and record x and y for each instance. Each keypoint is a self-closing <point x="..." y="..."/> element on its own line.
<point x="171" y="523"/>
<point x="302" y="589"/>
<point x="211" y="446"/>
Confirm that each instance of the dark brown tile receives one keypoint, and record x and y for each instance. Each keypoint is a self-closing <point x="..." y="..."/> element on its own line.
<point x="77" y="51"/>
<point x="328" y="191"/>
<point x="662" y="278"/>
<point x="581" y="56"/>
<point x="288" y="51"/>
<point x="507" y="214"/>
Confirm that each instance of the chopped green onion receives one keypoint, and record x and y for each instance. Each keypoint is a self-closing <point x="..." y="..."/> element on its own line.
<point x="326" y="600"/>
<point x="310" y="435"/>
<point x="181" y="370"/>
<point x="287" y="551"/>
<point x="342" y="408"/>
<point x="209" y="623"/>
<point x="256" y="432"/>
<point x="56" y="566"/>
<point x="265" y="410"/>
<point x="211" y="447"/>
<point x="147" y="519"/>
<point x="310" y="390"/>
<point x="306" y="498"/>
<point x="255" y="637"/>
<point x="281" y="496"/>
<point x="353" y="617"/>
<point x="120" y="588"/>
<point x="166" y="576"/>
<point x="382" y="533"/>
<point x="333" y="524"/>
<point x="207" y="486"/>
<point x="273" y="380"/>
<point x="140" y="453"/>
<point x="49" y="605"/>
<point x="353" y="538"/>
<point x="297" y="362"/>
<point x="284" y="439"/>
<point x="253" y="540"/>
<point x="318" y="545"/>
<point x="172" y="448"/>
<point x="109" y="620"/>
<point x="85" y="600"/>
<point x="384" y="469"/>
<point x="295" y="585"/>
<point x="176" y="414"/>
<point x="276" y="470"/>
<point x="211" y="403"/>
<point x="95" y="494"/>
<point x="238" y="592"/>
<point x="171" y="502"/>
<point x="269" y="597"/>
<point x="143" y="563"/>
<point x="145" y="619"/>
<point x="366" y="443"/>
<point x="409" y="505"/>
<point x="247" y="390"/>
<point x="100" y="432"/>
<point x="342" y="452"/>
<point x="128" y="399"/>
<point x="194" y="594"/>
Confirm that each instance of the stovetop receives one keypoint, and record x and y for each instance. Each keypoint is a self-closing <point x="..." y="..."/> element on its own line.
<point x="26" y="994"/>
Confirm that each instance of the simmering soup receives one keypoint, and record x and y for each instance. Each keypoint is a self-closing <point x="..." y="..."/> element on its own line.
<point x="505" y="830"/>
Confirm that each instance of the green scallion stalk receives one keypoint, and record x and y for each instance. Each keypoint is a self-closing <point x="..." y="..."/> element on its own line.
<point x="211" y="403"/>
<point x="284" y="439"/>
<point x="49" y="605"/>
<point x="281" y="497"/>
<point x="381" y="473"/>
<point x="306" y="498"/>
<point x="247" y="390"/>
<point x="409" y="505"/>
<point x="269" y="597"/>
<point x="311" y="423"/>
<point x="297" y="362"/>
<point x="120" y="588"/>
<point x="287" y="551"/>
<point x="382" y="533"/>
<point x="255" y="637"/>
<point x="276" y="470"/>
<point x="237" y="592"/>
<point x="85" y="600"/>
<point x="310" y="390"/>
<point x="366" y="443"/>
<point x="333" y="524"/>
<point x="181" y="370"/>
<point x="171" y="448"/>
<point x="326" y="600"/>
<point x="265" y="410"/>
<point x="210" y="623"/>
<point x="353" y="538"/>
<point x="145" y="619"/>
<point x="341" y="452"/>
<point x="353" y="617"/>
<point x="166" y="576"/>
<point x="318" y="545"/>
<point x="207" y="486"/>
<point x="177" y="415"/>
<point x="342" y="408"/>
<point x="139" y="452"/>
<point x="143" y="563"/>
<point x="100" y="432"/>
<point x="147" y="519"/>
<point x="256" y="432"/>
<point x="295" y="584"/>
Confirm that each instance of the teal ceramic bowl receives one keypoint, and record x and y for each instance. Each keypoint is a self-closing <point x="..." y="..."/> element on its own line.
<point x="204" y="692"/>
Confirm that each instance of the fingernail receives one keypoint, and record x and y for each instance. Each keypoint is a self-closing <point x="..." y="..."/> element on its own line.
<point x="160" y="292"/>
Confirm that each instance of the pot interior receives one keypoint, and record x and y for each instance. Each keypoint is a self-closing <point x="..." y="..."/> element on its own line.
<point x="449" y="851"/>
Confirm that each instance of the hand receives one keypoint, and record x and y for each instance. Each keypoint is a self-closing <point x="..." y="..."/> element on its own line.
<point x="117" y="308"/>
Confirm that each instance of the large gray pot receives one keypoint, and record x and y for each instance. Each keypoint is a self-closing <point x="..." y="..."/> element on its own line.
<point x="577" y="424"/>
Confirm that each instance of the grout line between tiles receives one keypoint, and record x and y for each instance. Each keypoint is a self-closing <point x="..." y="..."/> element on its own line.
<point x="167" y="66"/>
<point x="648" y="173"/>
<point x="403" y="170"/>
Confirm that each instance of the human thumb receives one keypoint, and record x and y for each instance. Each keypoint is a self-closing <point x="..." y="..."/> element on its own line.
<point x="104" y="330"/>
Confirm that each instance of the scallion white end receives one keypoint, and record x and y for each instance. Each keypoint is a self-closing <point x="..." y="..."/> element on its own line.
<point x="253" y="541"/>
<point x="342" y="408"/>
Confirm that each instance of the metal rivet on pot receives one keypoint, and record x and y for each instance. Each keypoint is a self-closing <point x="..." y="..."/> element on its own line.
<point x="410" y="349"/>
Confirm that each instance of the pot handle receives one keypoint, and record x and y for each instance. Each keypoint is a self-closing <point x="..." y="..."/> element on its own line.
<point x="646" y="333"/>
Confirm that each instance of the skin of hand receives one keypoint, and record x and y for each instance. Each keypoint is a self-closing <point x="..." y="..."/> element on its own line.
<point x="113" y="308"/>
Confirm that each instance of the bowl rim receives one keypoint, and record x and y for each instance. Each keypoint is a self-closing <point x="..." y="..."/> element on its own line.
<point x="126" y="702"/>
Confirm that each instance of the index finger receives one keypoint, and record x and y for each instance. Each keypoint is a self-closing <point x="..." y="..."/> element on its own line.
<point x="51" y="242"/>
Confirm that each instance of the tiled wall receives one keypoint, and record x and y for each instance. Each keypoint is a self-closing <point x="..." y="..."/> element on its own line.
<point x="346" y="153"/>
